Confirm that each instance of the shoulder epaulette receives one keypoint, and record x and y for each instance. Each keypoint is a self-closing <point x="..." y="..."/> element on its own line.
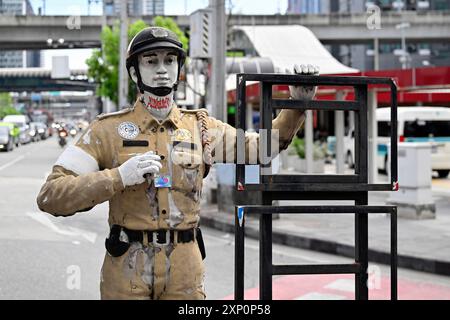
<point x="111" y="114"/>
<point x="194" y="111"/>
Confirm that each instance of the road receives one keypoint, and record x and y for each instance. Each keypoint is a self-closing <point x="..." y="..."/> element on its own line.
<point x="44" y="257"/>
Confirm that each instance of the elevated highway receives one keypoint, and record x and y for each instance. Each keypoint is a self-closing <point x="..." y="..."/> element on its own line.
<point x="39" y="79"/>
<point x="32" y="32"/>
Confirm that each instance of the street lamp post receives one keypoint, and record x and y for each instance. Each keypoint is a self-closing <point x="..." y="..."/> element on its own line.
<point x="404" y="57"/>
<point x="400" y="5"/>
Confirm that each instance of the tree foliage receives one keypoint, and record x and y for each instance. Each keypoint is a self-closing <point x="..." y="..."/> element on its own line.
<point x="103" y="64"/>
<point x="6" y="105"/>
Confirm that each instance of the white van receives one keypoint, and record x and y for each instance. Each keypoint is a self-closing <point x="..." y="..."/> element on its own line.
<point x="22" y="121"/>
<point x="415" y="124"/>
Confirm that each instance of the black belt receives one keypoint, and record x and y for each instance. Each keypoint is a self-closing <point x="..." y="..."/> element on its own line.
<point x="158" y="236"/>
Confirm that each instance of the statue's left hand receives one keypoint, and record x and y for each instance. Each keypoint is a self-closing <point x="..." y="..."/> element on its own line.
<point x="304" y="92"/>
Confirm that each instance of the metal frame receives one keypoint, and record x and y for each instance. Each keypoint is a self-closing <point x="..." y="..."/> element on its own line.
<point x="314" y="187"/>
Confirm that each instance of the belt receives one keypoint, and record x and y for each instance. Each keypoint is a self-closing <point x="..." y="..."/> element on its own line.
<point x="156" y="236"/>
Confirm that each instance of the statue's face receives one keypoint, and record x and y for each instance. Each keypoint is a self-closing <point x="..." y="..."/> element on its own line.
<point x="159" y="68"/>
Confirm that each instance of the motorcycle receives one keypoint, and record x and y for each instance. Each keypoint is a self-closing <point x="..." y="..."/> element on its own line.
<point x="62" y="138"/>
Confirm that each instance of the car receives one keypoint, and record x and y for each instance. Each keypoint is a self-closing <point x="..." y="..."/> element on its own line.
<point x="33" y="132"/>
<point x="6" y="139"/>
<point x="43" y="130"/>
<point x="38" y="131"/>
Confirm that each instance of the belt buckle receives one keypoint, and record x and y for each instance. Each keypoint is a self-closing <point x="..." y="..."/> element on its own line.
<point x="155" y="239"/>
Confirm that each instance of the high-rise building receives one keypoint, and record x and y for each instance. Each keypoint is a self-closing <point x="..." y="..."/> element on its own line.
<point x="153" y="7"/>
<point x="420" y="53"/>
<point x="307" y="6"/>
<point x="140" y="7"/>
<point x="360" y="56"/>
<point x="18" y="58"/>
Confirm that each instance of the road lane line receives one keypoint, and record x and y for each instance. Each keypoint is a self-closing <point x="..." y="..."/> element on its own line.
<point x="68" y="231"/>
<point x="19" y="158"/>
<point x="320" y="296"/>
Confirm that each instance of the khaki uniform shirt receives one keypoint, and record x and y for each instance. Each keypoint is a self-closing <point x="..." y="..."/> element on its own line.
<point x="87" y="174"/>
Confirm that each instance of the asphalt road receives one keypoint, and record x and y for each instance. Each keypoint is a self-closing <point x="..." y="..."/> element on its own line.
<point x="43" y="257"/>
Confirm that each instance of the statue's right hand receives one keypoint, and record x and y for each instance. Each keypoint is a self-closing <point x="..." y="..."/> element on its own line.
<point x="133" y="170"/>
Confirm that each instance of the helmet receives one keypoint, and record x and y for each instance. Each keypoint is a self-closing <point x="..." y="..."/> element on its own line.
<point x="153" y="38"/>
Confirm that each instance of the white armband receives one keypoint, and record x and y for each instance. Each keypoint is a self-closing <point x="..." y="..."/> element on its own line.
<point x="77" y="160"/>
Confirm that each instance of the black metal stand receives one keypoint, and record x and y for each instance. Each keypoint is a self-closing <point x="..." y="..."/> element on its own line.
<point x="314" y="187"/>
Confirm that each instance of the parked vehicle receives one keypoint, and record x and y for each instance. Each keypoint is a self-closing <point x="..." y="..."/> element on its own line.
<point x="13" y="130"/>
<point x="6" y="139"/>
<point x="22" y="122"/>
<point x="415" y="124"/>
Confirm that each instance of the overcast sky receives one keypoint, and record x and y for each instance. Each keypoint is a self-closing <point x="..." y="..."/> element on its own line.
<point x="172" y="7"/>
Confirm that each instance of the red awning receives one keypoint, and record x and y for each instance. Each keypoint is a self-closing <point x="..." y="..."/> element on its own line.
<point x="424" y="85"/>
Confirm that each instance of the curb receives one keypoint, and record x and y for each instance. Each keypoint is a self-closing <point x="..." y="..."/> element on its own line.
<point x="403" y="261"/>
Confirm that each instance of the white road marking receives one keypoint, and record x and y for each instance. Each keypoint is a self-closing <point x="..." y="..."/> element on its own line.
<point x="320" y="296"/>
<point x="67" y="231"/>
<point x="347" y="285"/>
<point x="19" y="158"/>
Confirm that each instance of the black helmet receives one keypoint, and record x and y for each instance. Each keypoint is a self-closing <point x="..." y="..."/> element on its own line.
<point x="153" y="38"/>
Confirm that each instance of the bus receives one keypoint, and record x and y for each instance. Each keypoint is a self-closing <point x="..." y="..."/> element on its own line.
<point x="415" y="124"/>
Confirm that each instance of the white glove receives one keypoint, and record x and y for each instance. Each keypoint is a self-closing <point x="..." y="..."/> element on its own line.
<point x="304" y="92"/>
<point x="133" y="170"/>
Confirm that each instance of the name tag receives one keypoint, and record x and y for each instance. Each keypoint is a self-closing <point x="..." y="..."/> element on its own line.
<point x="163" y="181"/>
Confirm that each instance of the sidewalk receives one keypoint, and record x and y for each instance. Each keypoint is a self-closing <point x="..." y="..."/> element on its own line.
<point x="423" y="245"/>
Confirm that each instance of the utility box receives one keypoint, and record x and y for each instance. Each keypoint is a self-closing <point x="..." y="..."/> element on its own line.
<point x="414" y="198"/>
<point x="200" y="34"/>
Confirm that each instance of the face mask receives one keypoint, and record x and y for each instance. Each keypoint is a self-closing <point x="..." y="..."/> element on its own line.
<point x="159" y="107"/>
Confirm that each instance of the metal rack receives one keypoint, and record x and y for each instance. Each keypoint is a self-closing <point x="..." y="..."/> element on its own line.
<point x="353" y="187"/>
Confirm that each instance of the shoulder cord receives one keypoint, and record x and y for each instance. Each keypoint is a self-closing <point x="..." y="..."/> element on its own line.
<point x="202" y="117"/>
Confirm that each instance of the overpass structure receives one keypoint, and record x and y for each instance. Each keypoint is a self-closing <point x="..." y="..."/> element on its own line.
<point x="63" y="105"/>
<point x="39" y="79"/>
<point x="33" y="32"/>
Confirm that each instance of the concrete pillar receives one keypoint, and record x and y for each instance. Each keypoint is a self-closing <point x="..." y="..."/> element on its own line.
<point x="218" y="67"/>
<point x="351" y="119"/>
<point x="309" y="142"/>
<point x="339" y="133"/>
<point x="372" y="129"/>
<point x="249" y="114"/>
<point x="376" y="56"/>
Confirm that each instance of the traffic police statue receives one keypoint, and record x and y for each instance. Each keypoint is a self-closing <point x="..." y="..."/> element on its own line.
<point x="149" y="162"/>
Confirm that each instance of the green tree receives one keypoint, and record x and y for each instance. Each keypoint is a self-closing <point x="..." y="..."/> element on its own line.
<point x="103" y="64"/>
<point x="6" y="105"/>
